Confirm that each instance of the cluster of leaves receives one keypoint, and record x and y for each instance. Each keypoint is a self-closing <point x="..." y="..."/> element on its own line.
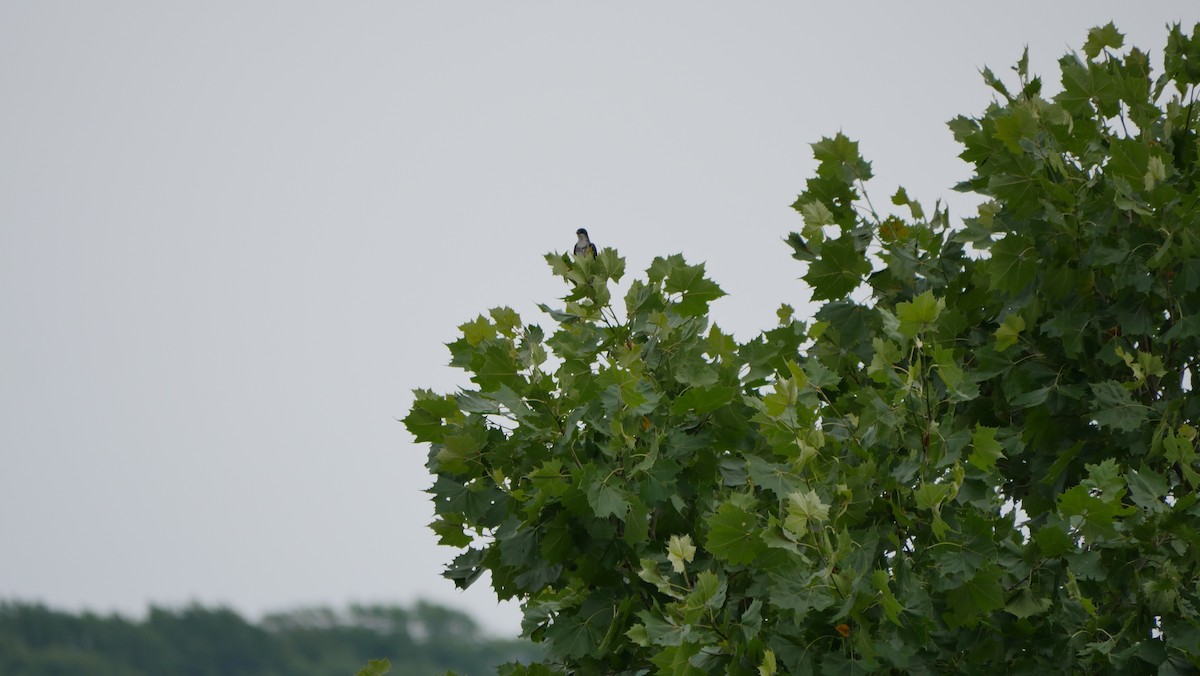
<point x="423" y="639"/>
<point x="988" y="459"/>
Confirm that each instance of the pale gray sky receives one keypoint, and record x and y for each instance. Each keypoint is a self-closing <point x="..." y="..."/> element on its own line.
<point x="235" y="235"/>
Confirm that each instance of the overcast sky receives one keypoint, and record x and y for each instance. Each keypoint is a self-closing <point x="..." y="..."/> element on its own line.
<point x="234" y="236"/>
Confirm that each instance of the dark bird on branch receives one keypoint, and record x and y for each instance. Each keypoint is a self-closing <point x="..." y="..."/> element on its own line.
<point x="584" y="245"/>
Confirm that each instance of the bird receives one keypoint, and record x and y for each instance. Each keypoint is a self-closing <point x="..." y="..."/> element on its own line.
<point x="584" y="245"/>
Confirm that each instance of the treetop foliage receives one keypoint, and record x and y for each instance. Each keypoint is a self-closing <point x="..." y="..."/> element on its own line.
<point x="981" y="450"/>
<point x="198" y="641"/>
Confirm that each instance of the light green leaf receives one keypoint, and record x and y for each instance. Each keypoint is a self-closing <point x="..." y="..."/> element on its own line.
<point x="960" y="387"/>
<point x="1009" y="331"/>
<point x="637" y="633"/>
<point x="815" y="216"/>
<point x="768" y="667"/>
<point x="680" y="551"/>
<point x="1156" y="172"/>
<point x="708" y="591"/>
<point x="375" y="668"/>
<point x="803" y="507"/>
<point x="919" y="314"/>
<point x="931" y="495"/>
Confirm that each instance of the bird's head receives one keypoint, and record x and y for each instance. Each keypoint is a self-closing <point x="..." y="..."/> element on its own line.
<point x="581" y="232"/>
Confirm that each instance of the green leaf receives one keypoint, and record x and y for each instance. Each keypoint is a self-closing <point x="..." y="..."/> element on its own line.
<point x="980" y="595"/>
<point x="607" y="499"/>
<point x="638" y="634"/>
<point x="919" y="314"/>
<point x="901" y="198"/>
<point x="1027" y="605"/>
<point x="1013" y="265"/>
<point x="1053" y="541"/>
<point x="450" y="532"/>
<point x="1019" y="125"/>
<point x="887" y="600"/>
<point x="1030" y="398"/>
<point x="375" y="668"/>
<point x="1098" y="515"/>
<point x="774" y="477"/>
<point x="990" y="79"/>
<point x="815" y="216"/>
<point x="1148" y="490"/>
<point x="1085" y="85"/>
<point x="579" y="633"/>
<point x="478" y="330"/>
<point x="1101" y="37"/>
<point x="676" y="660"/>
<point x="426" y="421"/>
<point x="1179" y="449"/>
<point x="709" y="591"/>
<point x="680" y="551"/>
<point x="985" y="449"/>
<point x="695" y="290"/>
<point x="931" y="495"/>
<point x="507" y="320"/>
<point x="768" y="666"/>
<point x="1113" y="407"/>
<point x="819" y="375"/>
<point x="802" y="250"/>
<point x="803" y="507"/>
<point x="696" y="372"/>
<point x="1009" y="331"/>
<point x="703" y="399"/>
<point x="959" y="386"/>
<point x="838" y="271"/>
<point x="838" y="156"/>
<point x="733" y="535"/>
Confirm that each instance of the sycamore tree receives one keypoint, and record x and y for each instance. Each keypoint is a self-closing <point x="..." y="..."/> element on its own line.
<point x="979" y="452"/>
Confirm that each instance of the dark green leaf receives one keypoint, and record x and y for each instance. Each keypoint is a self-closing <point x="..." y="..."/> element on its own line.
<point x="1113" y="407"/>
<point x="733" y="535"/>
<point x="838" y="271"/>
<point x="1014" y="264"/>
<point x="1101" y="37"/>
<point x="703" y="399"/>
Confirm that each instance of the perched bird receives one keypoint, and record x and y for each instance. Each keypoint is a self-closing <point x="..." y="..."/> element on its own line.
<point x="584" y="245"/>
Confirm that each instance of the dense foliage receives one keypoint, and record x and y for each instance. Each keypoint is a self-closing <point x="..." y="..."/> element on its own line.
<point x="195" y="641"/>
<point x="981" y="451"/>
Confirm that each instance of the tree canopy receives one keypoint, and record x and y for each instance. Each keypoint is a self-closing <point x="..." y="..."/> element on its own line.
<point x="981" y="450"/>
<point x="197" y="641"/>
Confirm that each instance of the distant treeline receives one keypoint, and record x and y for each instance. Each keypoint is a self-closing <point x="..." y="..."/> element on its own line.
<point x="198" y="641"/>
